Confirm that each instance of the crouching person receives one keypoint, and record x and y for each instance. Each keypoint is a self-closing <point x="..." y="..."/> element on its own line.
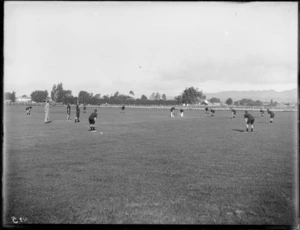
<point x="249" y="119"/>
<point x="92" y="120"/>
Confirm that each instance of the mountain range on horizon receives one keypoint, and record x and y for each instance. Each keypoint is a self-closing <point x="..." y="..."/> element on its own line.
<point x="286" y="96"/>
<point x="262" y="95"/>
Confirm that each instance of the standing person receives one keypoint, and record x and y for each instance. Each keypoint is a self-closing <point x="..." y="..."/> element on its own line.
<point x="92" y="120"/>
<point x="47" y="110"/>
<point x="181" y="112"/>
<point x="123" y="109"/>
<point x="212" y="112"/>
<point x="68" y="112"/>
<point x="84" y="108"/>
<point x="28" y="109"/>
<point x="272" y="115"/>
<point x="233" y="113"/>
<point x="249" y="120"/>
<point x="261" y="112"/>
<point x="77" y="113"/>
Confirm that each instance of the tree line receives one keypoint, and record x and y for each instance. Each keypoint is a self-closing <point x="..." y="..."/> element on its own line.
<point x="10" y="96"/>
<point x="189" y="95"/>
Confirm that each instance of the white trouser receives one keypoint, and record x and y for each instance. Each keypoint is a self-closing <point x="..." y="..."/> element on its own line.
<point x="46" y="117"/>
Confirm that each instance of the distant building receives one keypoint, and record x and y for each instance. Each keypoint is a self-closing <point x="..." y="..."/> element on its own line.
<point x="205" y="102"/>
<point x="23" y="99"/>
<point x="266" y="103"/>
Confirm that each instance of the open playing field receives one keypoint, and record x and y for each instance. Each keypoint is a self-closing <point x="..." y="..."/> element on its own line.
<point x="148" y="168"/>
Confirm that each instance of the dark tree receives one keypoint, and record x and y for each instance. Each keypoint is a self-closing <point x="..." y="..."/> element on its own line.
<point x="248" y="102"/>
<point x="164" y="97"/>
<point x="258" y="103"/>
<point x="178" y="99"/>
<point x="57" y="93"/>
<point x="39" y="95"/>
<point x="116" y="94"/>
<point x="67" y="97"/>
<point x="7" y="96"/>
<point x="98" y="95"/>
<point x="143" y="97"/>
<point x="214" y="100"/>
<point x="229" y="101"/>
<point x="192" y="96"/>
<point x="152" y="96"/>
<point x="84" y="97"/>
<point x="157" y="96"/>
<point x="13" y="96"/>
<point x="106" y="97"/>
<point x="53" y="93"/>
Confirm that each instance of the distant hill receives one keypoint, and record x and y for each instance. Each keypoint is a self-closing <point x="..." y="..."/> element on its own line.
<point x="262" y="95"/>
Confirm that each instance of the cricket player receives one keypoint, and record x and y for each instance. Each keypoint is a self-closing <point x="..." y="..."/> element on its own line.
<point x="181" y="112"/>
<point x="77" y="113"/>
<point x="28" y="109"/>
<point x="261" y="112"/>
<point x="233" y="113"/>
<point x="68" y="112"/>
<point x="47" y="110"/>
<point x="123" y="109"/>
<point x="84" y="108"/>
<point x="249" y="119"/>
<point x="212" y="112"/>
<point x="92" y="120"/>
<point x="272" y="115"/>
<point x="172" y="110"/>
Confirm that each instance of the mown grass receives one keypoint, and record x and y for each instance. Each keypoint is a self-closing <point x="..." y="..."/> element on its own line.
<point x="147" y="168"/>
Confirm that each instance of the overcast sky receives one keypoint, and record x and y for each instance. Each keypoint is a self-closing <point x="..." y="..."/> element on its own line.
<point x="104" y="47"/>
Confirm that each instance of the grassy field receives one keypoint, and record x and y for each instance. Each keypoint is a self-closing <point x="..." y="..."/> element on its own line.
<point x="147" y="168"/>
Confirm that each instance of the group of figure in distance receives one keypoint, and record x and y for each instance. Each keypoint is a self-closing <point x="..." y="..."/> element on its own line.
<point x="249" y="119"/>
<point x="92" y="118"/>
<point x="77" y="114"/>
<point x="172" y="110"/>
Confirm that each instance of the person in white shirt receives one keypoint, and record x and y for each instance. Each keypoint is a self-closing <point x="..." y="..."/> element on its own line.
<point x="46" y="109"/>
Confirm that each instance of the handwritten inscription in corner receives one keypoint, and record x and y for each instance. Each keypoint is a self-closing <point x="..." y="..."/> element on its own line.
<point x="19" y="220"/>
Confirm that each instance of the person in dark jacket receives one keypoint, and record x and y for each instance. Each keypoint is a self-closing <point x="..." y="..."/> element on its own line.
<point x="233" y="112"/>
<point x="92" y="120"/>
<point x="249" y="121"/>
<point x="28" y="110"/>
<point x="77" y="113"/>
<point x="272" y="115"/>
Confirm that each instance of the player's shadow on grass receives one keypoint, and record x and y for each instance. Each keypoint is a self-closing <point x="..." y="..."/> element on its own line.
<point x="238" y="130"/>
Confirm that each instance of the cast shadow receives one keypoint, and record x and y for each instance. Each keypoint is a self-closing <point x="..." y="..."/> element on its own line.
<point x="238" y="130"/>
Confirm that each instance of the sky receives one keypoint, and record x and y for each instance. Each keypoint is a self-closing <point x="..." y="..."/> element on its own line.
<point x="146" y="47"/>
